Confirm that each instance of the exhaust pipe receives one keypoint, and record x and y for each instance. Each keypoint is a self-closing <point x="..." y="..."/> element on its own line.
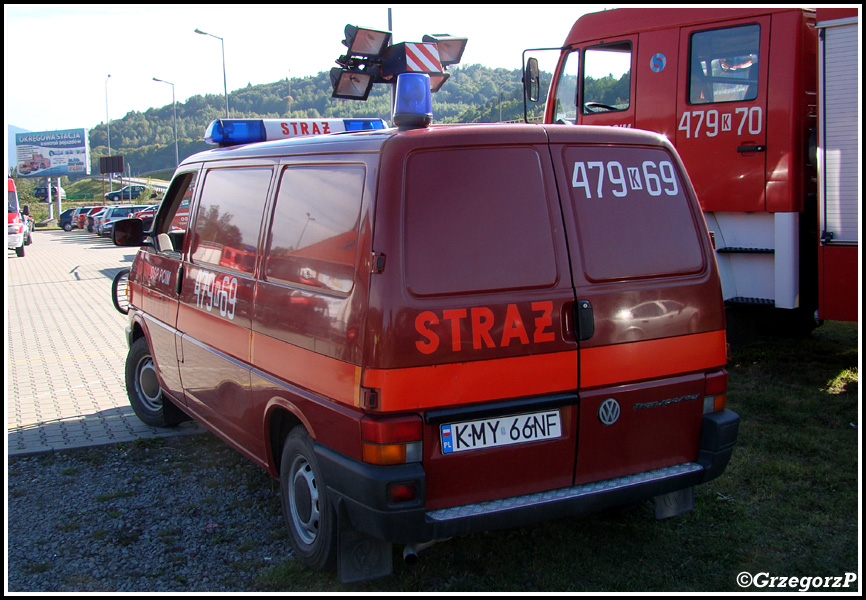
<point x="410" y="552"/>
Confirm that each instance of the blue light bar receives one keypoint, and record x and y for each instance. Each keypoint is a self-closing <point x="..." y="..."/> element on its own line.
<point x="229" y="132"/>
<point x="233" y="132"/>
<point x="413" y="107"/>
<point x="363" y="124"/>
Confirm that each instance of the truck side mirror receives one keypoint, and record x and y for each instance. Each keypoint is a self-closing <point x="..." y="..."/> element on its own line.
<point x="25" y="210"/>
<point x="531" y="80"/>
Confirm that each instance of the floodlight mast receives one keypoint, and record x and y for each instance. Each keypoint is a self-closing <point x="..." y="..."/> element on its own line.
<point x="371" y="59"/>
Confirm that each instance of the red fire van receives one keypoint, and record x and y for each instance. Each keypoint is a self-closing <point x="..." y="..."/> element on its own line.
<point x="432" y="331"/>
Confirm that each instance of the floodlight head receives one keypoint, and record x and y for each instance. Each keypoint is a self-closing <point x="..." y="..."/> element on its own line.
<point x="351" y="85"/>
<point x="450" y="48"/>
<point x="437" y="81"/>
<point x="366" y="42"/>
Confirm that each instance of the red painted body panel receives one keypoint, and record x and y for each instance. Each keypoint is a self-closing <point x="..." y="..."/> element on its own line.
<point x="840" y="298"/>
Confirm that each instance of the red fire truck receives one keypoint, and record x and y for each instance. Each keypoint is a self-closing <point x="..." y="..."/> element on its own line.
<point x="762" y="106"/>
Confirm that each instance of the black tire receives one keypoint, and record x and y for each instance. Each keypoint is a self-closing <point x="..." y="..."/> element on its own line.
<point x="19" y="251"/>
<point x="307" y="510"/>
<point x="118" y="291"/>
<point x="67" y="227"/>
<point x="142" y="389"/>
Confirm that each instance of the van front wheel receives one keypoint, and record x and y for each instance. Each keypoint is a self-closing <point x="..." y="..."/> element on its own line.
<point x="307" y="509"/>
<point x="143" y="390"/>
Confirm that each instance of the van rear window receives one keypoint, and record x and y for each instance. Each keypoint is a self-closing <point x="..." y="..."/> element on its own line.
<point x="476" y="220"/>
<point x="633" y="217"/>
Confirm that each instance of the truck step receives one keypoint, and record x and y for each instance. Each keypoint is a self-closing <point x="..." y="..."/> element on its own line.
<point x="742" y="301"/>
<point x="740" y="250"/>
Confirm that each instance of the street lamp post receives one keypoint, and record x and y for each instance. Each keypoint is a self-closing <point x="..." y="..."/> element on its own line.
<point x="174" y="104"/>
<point x="225" y="87"/>
<point x="108" y="128"/>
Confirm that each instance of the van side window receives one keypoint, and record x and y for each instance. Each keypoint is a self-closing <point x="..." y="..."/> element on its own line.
<point x="170" y="225"/>
<point x="724" y="64"/>
<point x="229" y="218"/>
<point x="314" y="235"/>
<point x="477" y="220"/>
<point x="606" y="84"/>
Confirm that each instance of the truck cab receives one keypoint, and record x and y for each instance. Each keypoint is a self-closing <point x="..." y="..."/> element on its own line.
<point x="734" y="89"/>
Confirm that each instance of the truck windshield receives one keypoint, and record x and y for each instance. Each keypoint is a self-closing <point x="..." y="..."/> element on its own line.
<point x="604" y="82"/>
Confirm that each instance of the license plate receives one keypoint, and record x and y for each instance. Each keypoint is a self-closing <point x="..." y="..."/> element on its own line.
<point x="500" y="431"/>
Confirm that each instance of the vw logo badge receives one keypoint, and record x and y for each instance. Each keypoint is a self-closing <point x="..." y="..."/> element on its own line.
<point x="608" y="412"/>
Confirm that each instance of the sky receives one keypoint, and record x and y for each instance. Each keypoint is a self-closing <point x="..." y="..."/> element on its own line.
<point x="58" y="57"/>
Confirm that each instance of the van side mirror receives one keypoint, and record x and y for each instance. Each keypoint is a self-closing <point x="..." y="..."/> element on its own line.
<point x="531" y="80"/>
<point x="129" y="232"/>
<point x="25" y="210"/>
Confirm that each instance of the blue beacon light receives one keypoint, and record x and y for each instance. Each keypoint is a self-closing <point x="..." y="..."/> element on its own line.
<point x="235" y="131"/>
<point x="413" y="106"/>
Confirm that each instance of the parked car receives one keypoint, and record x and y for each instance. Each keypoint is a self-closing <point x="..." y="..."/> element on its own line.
<point x="65" y="219"/>
<point x="127" y="192"/>
<point x="41" y="193"/>
<point x="79" y="215"/>
<point x="146" y="215"/>
<point x="115" y="213"/>
<point x="92" y="217"/>
<point x="15" y="238"/>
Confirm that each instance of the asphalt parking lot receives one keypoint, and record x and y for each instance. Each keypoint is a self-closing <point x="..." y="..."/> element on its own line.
<point x="65" y="347"/>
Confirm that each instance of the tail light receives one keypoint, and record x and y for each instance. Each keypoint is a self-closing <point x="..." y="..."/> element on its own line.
<point x="716" y="391"/>
<point x="391" y="440"/>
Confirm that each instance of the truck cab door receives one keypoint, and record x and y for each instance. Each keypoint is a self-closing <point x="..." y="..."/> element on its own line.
<point x="722" y="112"/>
<point x="606" y="86"/>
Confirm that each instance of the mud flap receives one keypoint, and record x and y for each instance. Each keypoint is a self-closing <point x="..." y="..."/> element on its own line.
<point x="675" y="503"/>
<point x="361" y="557"/>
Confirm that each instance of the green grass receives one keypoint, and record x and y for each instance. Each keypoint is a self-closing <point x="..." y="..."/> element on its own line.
<point x="787" y="504"/>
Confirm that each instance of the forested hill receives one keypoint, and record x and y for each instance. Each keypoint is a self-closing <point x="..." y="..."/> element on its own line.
<point x="146" y="139"/>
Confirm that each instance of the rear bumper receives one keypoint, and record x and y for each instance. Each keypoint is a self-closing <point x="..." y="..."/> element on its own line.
<point x="360" y="492"/>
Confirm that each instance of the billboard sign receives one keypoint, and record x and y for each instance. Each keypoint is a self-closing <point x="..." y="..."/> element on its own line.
<point x="53" y="153"/>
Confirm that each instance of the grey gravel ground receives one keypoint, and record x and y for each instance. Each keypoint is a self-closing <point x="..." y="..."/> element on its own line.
<point x="178" y="514"/>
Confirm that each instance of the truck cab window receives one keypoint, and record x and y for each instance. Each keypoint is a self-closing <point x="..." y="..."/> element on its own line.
<point x="566" y="91"/>
<point x="606" y="84"/>
<point x="724" y="65"/>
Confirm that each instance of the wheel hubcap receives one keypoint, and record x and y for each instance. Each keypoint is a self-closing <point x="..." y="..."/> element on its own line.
<point x="148" y="385"/>
<point x="304" y="500"/>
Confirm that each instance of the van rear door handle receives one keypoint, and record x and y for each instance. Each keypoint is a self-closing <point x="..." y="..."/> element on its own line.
<point x="758" y="148"/>
<point x="585" y="320"/>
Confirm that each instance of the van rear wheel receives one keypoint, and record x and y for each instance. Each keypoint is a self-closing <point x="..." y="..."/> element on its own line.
<point x="307" y="510"/>
<point x="143" y="390"/>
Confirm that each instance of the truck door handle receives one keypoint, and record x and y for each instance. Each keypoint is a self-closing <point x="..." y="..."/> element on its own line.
<point x="585" y="320"/>
<point x="758" y="148"/>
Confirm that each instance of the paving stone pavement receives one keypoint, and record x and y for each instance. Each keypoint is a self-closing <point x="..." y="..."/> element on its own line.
<point x="65" y="347"/>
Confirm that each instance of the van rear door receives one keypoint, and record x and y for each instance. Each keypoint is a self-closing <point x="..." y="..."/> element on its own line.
<point x="649" y="312"/>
